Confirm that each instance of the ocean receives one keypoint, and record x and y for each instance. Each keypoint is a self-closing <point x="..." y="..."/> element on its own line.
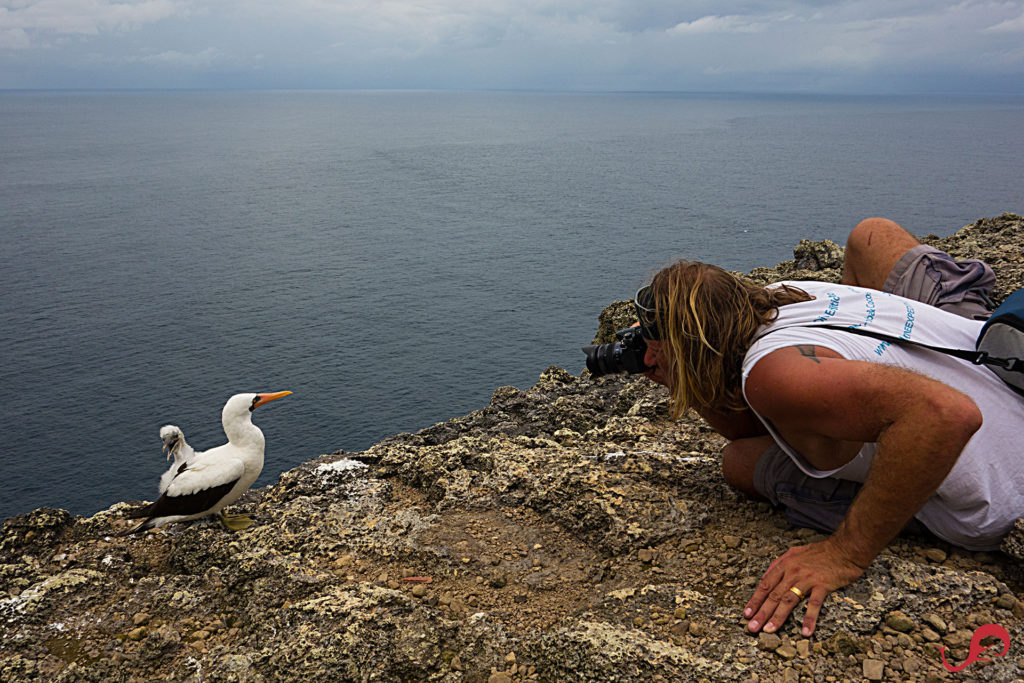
<point x="394" y="257"/>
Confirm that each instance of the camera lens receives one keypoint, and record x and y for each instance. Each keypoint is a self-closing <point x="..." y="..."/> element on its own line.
<point x="604" y="359"/>
<point x="626" y="355"/>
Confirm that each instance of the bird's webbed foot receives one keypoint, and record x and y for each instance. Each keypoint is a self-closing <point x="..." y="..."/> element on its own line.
<point x="235" y="522"/>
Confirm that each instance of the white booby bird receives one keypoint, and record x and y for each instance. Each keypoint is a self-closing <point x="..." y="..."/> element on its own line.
<point x="174" y="444"/>
<point x="205" y="483"/>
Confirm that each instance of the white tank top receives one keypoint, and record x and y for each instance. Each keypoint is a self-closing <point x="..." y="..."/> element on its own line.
<point x="983" y="494"/>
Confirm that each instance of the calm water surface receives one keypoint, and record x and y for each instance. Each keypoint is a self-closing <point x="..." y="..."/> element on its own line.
<point x="393" y="257"/>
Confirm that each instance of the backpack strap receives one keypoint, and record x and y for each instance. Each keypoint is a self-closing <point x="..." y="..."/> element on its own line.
<point x="976" y="356"/>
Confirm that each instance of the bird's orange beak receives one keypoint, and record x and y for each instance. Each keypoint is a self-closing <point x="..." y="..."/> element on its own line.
<point x="261" y="399"/>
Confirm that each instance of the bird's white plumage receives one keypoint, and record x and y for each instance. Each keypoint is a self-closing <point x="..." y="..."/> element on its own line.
<point x="203" y="483"/>
<point x="209" y="470"/>
<point x="175" y="445"/>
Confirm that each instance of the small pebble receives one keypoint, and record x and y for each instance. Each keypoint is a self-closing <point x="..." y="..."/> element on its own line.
<point x="936" y="622"/>
<point x="768" y="641"/>
<point x="1006" y="601"/>
<point x="874" y="669"/>
<point x="898" y="621"/>
<point x="786" y="651"/>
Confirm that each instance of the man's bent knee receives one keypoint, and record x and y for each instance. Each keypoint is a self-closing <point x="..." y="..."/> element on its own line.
<point x="872" y="249"/>
<point x="739" y="461"/>
<point x="861" y="235"/>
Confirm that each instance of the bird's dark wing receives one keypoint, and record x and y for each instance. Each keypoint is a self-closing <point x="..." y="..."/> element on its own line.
<point x="187" y="504"/>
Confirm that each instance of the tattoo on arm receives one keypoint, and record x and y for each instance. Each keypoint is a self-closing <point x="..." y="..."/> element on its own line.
<point x="807" y="351"/>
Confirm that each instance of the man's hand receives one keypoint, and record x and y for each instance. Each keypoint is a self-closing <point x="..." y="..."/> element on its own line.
<point x="815" y="570"/>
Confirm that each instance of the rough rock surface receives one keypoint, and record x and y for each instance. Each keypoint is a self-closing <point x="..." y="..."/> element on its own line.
<point x="567" y="532"/>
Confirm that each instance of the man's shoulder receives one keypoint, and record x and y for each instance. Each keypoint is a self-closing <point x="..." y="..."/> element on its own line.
<point x="783" y="374"/>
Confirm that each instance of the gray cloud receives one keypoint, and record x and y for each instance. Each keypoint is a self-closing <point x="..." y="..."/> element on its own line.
<point x="43" y="19"/>
<point x="601" y="44"/>
<point x="714" y="23"/>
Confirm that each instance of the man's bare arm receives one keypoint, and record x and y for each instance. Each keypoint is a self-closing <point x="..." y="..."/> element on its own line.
<point x="920" y="425"/>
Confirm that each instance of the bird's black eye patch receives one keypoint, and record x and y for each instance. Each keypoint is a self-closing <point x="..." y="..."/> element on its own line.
<point x="255" y="399"/>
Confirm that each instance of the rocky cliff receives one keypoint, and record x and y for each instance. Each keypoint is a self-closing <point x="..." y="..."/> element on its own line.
<point x="568" y="532"/>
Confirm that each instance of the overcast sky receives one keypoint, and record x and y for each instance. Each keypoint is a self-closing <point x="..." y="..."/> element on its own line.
<point x="727" y="45"/>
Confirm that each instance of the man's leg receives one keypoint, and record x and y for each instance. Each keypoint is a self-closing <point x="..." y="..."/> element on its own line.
<point x="882" y="255"/>
<point x="872" y="249"/>
<point x="758" y="468"/>
<point x="739" y="461"/>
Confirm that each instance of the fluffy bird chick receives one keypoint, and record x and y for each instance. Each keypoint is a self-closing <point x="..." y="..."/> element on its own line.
<point x="174" y="445"/>
<point x="206" y="482"/>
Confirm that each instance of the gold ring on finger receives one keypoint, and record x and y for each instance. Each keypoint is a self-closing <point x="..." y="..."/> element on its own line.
<point x="797" y="592"/>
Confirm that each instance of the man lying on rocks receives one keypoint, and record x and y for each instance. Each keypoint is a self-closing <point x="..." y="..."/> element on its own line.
<point x="857" y="437"/>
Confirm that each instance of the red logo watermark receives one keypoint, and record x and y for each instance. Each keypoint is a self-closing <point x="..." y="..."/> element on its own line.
<point x="977" y="649"/>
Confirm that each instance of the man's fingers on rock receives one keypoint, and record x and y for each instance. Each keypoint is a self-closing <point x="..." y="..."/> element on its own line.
<point x="766" y="597"/>
<point x="768" y="582"/>
<point x="758" y="620"/>
<point x="766" y="616"/>
<point x="810" y="621"/>
<point x="814" y="603"/>
<point x="761" y="593"/>
<point x="785" y="597"/>
<point x="782" y="611"/>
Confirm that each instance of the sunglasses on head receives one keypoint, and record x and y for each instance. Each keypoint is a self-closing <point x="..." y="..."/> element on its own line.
<point x="643" y="303"/>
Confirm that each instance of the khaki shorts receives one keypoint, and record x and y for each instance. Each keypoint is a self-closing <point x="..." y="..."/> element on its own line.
<point x="811" y="503"/>
<point x="924" y="274"/>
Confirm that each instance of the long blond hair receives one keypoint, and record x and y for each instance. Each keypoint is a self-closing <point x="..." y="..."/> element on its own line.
<point x="707" y="318"/>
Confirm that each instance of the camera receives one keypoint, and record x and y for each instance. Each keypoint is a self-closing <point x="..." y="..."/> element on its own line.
<point x="625" y="355"/>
